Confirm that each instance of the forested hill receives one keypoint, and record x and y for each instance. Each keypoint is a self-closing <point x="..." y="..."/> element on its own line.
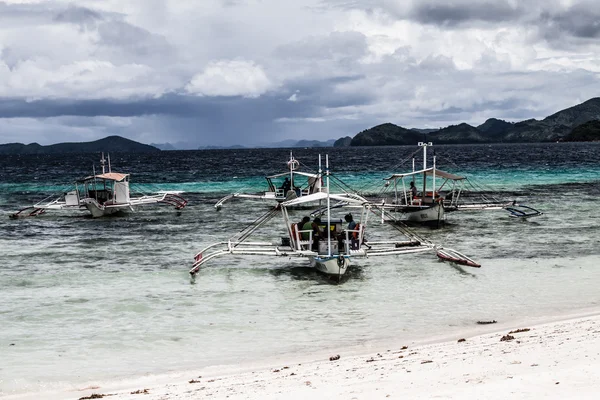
<point x="110" y="144"/>
<point x="566" y="125"/>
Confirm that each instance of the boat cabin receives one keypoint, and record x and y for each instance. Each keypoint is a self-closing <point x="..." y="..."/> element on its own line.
<point x="107" y="188"/>
<point x="448" y="191"/>
<point x="301" y="183"/>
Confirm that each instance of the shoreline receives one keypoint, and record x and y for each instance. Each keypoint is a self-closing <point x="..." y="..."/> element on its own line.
<point x="553" y="357"/>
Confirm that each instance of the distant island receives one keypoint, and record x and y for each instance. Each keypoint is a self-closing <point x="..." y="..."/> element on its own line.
<point x="574" y="124"/>
<point x="578" y="123"/>
<point x="109" y="144"/>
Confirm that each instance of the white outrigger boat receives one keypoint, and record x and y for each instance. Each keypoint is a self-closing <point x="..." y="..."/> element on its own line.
<point x="426" y="206"/>
<point x="336" y="248"/>
<point x="294" y="183"/>
<point x="440" y="192"/>
<point x="102" y="194"/>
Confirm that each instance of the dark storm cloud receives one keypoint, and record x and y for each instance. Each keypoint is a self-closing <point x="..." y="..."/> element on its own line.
<point x="324" y="93"/>
<point x="213" y="111"/>
<point x="317" y="94"/>
<point x="166" y="105"/>
<point x="443" y="13"/>
<point x="580" y="21"/>
<point x="450" y="14"/>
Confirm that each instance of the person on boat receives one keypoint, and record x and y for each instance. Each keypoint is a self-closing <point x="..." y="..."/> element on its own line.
<point x="351" y="228"/>
<point x="316" y="232"/>
<point x="413" y="190"/>
<point x="300" y="227"/>
<point x="351" y="222"/>
<point x="286" y="186"/>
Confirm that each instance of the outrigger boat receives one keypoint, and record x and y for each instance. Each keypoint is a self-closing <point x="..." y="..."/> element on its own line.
<point x="336" y="248"/>
<point x="440" y="192"/>
<point x="102" y="194"/>
<point x="426" y="206"/>
<point x="283" y="186"/>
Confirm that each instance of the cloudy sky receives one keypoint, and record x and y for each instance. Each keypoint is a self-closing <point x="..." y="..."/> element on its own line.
<point x="223" y="72"/>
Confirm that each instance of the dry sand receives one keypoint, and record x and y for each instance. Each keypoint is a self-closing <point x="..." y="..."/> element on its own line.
<point x="558" y="360"/>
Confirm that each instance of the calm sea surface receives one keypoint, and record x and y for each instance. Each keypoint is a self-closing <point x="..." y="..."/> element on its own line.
<point x="85" y="300"/>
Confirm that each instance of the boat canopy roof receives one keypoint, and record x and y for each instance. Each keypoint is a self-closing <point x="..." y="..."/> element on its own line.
<point x="295" y="173"/>
<point x="110" y="176"/>
<point x="428" y="172"/>
<point x="350" y="198"/>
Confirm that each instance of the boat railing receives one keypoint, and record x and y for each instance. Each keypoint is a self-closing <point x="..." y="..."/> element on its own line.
<point x="303" y="244"/>
<point x="353" y="239"/>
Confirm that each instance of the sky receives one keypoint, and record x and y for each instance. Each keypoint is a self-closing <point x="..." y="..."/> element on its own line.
<point x="252" y="72"/>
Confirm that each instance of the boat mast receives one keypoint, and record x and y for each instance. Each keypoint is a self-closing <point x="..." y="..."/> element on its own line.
<point x="103" y="164"/>
<point x="433" y="188"/>
<point x="328" y="205"/>
<point x="95" y="184"/>
<point x="424" y="146"/>
<point x="291" y="163"/>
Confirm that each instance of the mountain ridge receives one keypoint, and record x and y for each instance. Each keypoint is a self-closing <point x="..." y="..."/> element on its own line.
<point x="556" y="127"/>
<point x="111" y="144"/>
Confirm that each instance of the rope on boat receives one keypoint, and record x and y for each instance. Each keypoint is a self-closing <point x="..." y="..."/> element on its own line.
<point x="402" y="227"/>
<point x="257" y="223"/>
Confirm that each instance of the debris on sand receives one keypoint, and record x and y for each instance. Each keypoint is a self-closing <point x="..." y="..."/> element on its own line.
<point x="334" y="358"/>
<point x="487" y="322"/>
<point x="462" y="340"/>
<point x="95" y="396"/>
<point x="506" y="338"/>
<point x="519" y="331"/>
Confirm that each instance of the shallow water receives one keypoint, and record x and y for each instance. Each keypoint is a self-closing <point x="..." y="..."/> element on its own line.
<point x="84" y="299"/>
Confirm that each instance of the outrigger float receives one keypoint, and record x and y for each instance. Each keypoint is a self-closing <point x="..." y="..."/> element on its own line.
<point x="283" y="186"/>
<point x="336" y="245"/>
<point x="103" y="194"/>
<point x="437" y="192"/>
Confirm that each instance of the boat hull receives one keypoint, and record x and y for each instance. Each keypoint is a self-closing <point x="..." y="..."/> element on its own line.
<point x="334" y="266"/>
<point x="429" y="215"/>
<point x="100" y="211"/>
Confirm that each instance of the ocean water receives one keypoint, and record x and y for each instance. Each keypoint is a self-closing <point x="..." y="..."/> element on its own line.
<point x="85" y="300"/>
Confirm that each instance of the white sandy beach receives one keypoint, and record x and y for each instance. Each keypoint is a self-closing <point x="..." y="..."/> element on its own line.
<point x="558" y="360"/>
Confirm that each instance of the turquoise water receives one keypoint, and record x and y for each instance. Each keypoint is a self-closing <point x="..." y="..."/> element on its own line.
<point x="87" y="300"/>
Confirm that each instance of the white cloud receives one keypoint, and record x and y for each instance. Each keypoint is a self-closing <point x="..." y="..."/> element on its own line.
<point x="41" y="78"/>
<point x="230" y="78"/>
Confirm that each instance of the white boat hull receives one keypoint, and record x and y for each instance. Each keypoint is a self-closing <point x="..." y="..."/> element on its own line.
<point x="433" y="214"/>
<point x="335" y="266"/>
<point x="100" y="211"/>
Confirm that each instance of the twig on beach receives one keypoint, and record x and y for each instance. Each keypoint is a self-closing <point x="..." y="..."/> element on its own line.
<point x="141" y="391"/>
<point x="95" y="396"/>
<point x="519" y="331"/>
<point x="487" y="322"/>
<point x="194" y="381"/>
<point x="334" y="358"/>
<point x="462" y="340"/>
